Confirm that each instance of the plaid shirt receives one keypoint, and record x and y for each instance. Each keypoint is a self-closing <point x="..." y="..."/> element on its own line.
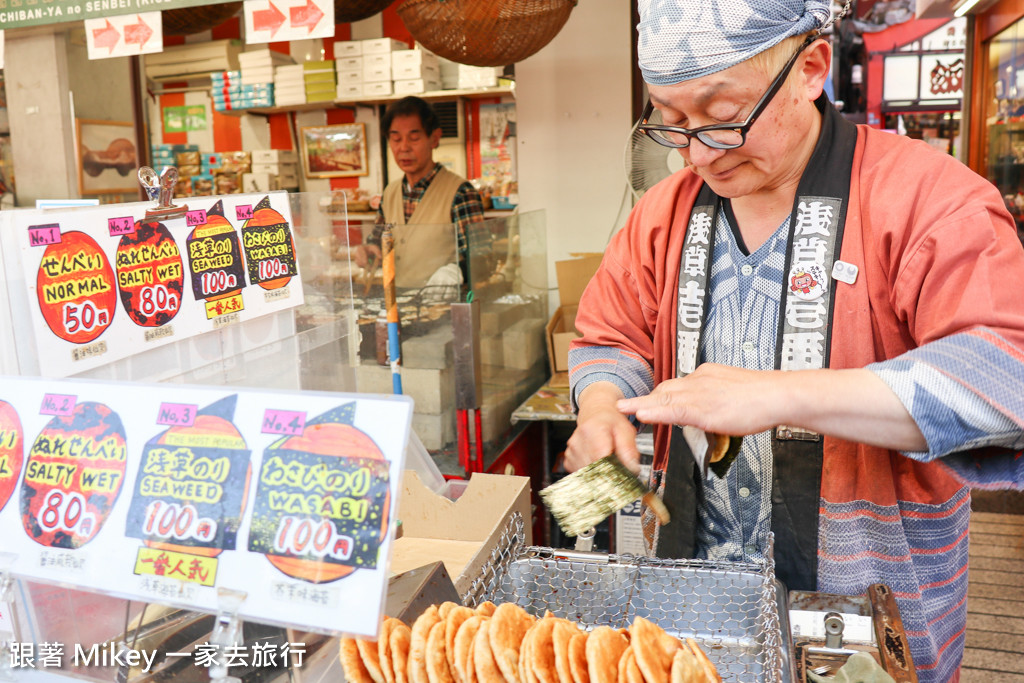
<point x="467" y="213"/>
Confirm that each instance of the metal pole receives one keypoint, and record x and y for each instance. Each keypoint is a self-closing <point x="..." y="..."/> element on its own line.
<point x="387" y="244"/>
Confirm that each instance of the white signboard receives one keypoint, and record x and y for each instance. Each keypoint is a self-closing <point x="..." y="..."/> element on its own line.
<point x="949" y="36"/>
<point x="107" y="283"/>
<point x="124" y="35"/>
<point x="274" y="20"/>
<point x="942" y="76"/>
<point x="167" y="493"/>
<point x="902" y="73"/>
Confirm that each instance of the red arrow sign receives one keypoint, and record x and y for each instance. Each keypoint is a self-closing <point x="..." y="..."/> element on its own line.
<point x="268" y="19"/>
<point x="137" y="33"/>
<point x="106" y="36"/>
<point x="310" y="15"/>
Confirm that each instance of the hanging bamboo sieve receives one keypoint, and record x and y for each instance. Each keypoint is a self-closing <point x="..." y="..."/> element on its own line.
<point x="346" y="11"/>
<point x="188" y="20"/>
<point x="485" y="32"/>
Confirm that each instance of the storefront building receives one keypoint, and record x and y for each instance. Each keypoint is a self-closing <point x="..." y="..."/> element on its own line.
<point x="915" y="84"/>
<point x="997" y="145"/>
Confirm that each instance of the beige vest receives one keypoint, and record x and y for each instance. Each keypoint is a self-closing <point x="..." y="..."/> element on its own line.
<point x="422" y="248"/>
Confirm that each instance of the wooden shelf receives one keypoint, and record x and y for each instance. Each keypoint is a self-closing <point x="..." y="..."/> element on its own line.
<point x="434" y="96"/>
<point x="437" y="95"/>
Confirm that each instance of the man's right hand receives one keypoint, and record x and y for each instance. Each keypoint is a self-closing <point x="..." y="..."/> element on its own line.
<point x="363" y="252"/>
<point x="601" y="429"/>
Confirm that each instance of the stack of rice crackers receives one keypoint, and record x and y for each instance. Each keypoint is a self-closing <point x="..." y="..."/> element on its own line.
<point x="449" y="643"/>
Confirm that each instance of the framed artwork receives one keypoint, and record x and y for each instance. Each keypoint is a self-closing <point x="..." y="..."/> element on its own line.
<point x="334" y="151"/>
<point x="107" y="158"/>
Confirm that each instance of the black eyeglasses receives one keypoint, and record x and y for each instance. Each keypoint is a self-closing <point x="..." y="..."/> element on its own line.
<point x="718" y="136"/>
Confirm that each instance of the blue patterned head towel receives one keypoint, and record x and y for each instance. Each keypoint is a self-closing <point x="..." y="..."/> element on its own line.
<point x="685" y="39"/>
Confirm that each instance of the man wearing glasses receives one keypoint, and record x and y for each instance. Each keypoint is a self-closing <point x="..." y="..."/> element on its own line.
<point x="846" y="300"/>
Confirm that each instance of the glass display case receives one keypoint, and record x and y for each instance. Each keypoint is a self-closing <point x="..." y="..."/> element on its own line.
<point x="333" y="339"/>
<point x="1004" y="116"/>
<point x="505" y="271"/>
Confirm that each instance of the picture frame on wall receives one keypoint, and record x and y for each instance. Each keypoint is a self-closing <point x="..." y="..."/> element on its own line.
<point x="107" y="157"/>
<point x="336" y="151"/>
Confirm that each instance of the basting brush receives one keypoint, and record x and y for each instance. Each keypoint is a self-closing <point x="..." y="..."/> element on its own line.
<point x="586" y="497"/>
<point x="589" y="495"/>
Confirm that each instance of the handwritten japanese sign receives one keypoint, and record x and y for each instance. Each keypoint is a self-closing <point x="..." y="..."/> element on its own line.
<point x="169" y="492"/>
<point x="104" y="283"/>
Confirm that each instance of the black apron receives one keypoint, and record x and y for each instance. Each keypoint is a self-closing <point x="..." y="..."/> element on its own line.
<point x="814" y="242"/>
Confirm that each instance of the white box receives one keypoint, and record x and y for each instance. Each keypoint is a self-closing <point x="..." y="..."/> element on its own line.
<point x="257" y="79"/>
<point x="348" y="64"/>
<point x="287" y="181"/>
<point x="350" y="91"/>
<point x="408" y="71"/>
<point x="377" y="88"/>
<point x="347" y="48"/>
<point x="288" y="100"/>
<point x="411" y="86"/>
<point x="275" y="169"/>
<point x="259" y="182"/>
<point x="373" y="74"/>
<point x="477" y="81"/>
<point x="274" y="156"/>
<point x="350" y="78"/>
<point x="414" y="58"/>
<point x="448" y="67"/>
<point x="285" y="92"/>
<point x="375" y="45"/>
<point x="248" y="70"/>
<point x="377" y="59"/>
<point x="264" y="57"/>
<point x="290" y="70"/>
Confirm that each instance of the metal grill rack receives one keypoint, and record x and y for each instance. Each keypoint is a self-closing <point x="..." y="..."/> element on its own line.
<point x="729" y="608"/>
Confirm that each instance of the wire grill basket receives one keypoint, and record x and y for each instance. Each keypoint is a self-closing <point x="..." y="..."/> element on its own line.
<point x="730" y="608"/>
<point x="485" y="32"/>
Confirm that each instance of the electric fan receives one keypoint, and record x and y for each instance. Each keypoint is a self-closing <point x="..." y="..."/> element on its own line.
<point x="647" y="162"/>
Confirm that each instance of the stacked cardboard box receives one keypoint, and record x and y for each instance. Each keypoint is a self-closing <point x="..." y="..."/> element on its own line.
<point x="347" y="48"/>
<point x="348" y="67"/>
<point x="455" y="76"/>
<point x="167" y="155"/>
<point x="377" y="80"/>
<point x="227" y="178"/>
<point x="573" y="276"/>
<point x="289" y="85"/>
<point x="228" y="92"/>
<point x="349" y="74"/>
<point x="193" y="58"/>
<point x="377" y="74"/>
<point x="272" y="169"/>
<point x="319" y="79"/>
<point x="257" y="66"/>
<point x="415" y="71"/>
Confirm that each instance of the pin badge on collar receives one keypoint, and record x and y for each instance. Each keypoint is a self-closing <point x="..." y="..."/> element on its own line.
<point x="807" y="281"/>
<point x="844" y="272"/>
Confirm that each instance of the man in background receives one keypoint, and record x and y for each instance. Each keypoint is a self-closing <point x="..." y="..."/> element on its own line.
<point x="429" y="197"/>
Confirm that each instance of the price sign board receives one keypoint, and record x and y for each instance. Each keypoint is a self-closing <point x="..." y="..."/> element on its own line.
<point x="106" y="283"/>
<point x="166" y="493"/>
